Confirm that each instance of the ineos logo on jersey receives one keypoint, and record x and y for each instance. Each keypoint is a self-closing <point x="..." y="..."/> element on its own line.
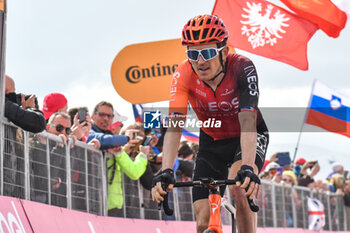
<point x="252" y="80"/>
<point x="224" y="106"/>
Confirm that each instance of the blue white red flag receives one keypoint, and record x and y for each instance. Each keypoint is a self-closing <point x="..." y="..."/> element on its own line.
<point x="329" y="109"/>
<point x="138" y="112"/>
<point x="190" y="136"/>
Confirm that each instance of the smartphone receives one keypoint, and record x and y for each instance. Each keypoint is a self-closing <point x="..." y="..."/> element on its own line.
<point x="279" y="171"/>
<point x="82" y="114"/>
<point x="147" y="141"/>
<point x="283" y="158"/>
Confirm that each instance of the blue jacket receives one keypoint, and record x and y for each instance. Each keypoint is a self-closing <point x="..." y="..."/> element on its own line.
<point x="106" y="138"/>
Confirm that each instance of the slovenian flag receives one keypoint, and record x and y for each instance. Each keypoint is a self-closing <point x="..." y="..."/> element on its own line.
<point x="329" y="109"/>
<point x="190" y="136"/>
<point x="138" y="112"/>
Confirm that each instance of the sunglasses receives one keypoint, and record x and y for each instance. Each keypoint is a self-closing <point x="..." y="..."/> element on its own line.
<point x="207" y="54"/>
<point x="109" y="116"/>
<point x="60" y="128"/>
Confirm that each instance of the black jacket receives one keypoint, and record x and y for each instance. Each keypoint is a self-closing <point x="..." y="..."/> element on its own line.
<point x="29" y="120"/>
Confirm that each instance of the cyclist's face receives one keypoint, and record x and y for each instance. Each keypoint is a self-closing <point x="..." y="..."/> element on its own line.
<point x="206" y="70"/>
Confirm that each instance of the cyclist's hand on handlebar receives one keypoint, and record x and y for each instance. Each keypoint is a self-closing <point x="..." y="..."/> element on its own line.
<point x="162" y="183"/>
<point x="248" y="180"/>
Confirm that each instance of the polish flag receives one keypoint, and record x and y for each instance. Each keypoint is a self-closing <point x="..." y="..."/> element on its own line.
<point x="324" y="13"/>
<point x="265" y="29"/>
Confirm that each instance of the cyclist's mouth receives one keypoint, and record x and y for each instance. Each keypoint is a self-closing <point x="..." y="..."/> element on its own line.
<point x="203" y="70"/>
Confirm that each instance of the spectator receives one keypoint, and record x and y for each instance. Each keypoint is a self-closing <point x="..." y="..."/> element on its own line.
<point x="290" y="178"/>
<point x="54" y="102"/>
<point x="24" y="114"/>
<point x="306" y="178"/>
<point x="337" y="168"/>
<point x="186" y="164"/>
<point x="59" y="124"/>
<point x="119" y="161"/>
<point x="81" y="130"/>
<point x="103" y="117"/>
<point x="298" y="165"/>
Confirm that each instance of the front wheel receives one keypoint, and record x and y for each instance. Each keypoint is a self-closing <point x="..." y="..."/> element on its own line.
<point x="209" y="231"/>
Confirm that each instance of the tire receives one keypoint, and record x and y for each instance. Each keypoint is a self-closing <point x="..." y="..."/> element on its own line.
<point x="209" y="231"/>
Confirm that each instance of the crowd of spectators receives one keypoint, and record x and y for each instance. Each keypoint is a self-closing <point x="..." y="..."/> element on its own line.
<point x="135" y="151"/>
<point x="280" y="169"/>
<point x="131" y="150"/>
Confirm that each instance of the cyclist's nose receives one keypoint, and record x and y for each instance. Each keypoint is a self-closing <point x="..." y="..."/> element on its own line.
<point x="201" y="59"/>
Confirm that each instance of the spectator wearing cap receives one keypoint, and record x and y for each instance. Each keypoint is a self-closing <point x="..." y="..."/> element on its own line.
<point x="298" y="165"/>
<point x="271" y="173"/>
<point x="54" y="102"/>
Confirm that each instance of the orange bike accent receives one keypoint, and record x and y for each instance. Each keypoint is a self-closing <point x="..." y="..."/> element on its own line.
<point x="215" y="218"/>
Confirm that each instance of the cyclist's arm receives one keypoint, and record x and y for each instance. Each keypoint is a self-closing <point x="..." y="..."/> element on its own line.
<point x="178" y="101"/>
<point x="170" y="147"/>
<point x="247" y="122"/>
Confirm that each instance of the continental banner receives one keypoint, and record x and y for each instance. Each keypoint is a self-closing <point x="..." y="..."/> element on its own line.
<point x="141" y="73"/>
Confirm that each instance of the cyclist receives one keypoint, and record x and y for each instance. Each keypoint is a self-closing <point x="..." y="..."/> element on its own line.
<point x="224" y="86"/>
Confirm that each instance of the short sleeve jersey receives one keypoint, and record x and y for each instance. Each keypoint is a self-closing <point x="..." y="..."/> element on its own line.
<point x="238" y="91"/>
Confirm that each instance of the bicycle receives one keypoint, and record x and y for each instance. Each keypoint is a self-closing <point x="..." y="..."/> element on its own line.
<point x="214" y="198"/>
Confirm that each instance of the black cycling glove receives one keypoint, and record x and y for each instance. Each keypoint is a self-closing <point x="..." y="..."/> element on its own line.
<point x="247" y="171"/>
<point x="166" y="177"/>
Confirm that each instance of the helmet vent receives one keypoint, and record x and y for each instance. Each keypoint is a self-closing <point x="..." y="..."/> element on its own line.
<point x="205" y="33"/>
<point x="196" y="35"/>
<point x="208" y="21"/>
<point x="188" y="35"/>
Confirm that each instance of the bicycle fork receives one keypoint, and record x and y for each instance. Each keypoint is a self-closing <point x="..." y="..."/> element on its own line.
<point x="215" y="206"/>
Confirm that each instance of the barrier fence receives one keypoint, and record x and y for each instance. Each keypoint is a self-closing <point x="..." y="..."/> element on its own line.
<point x="39" y="167"/>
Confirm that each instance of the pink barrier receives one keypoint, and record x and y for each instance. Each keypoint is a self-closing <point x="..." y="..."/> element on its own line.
<point x="12" y="216"/>
<point x="20" y="216"/>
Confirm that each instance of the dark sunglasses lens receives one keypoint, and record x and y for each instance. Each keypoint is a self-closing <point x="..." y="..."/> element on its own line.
<point x="208" y="53"/>
<point x="68" y="131"/>
<point x="59" y="128"/>
<point x="192" y="55"/>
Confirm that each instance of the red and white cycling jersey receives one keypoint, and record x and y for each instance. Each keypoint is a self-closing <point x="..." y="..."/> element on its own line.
<point x="238" y="91"/>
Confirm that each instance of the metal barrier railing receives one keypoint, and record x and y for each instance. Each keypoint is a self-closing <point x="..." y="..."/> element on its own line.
<point x="34" y="167"/>
<point x="39" y="167"/>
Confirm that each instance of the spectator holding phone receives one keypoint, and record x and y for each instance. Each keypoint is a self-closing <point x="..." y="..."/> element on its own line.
<point x="102" y="119"/>
<point x="306" y="177"/>
<point x="81" y="125"/>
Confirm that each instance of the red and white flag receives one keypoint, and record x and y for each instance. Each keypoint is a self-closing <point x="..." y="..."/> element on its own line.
<point x="265" y="29"/>
<point x="324" y="13"/>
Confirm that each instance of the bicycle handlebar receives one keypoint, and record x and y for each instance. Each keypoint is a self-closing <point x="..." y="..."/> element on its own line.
<point x="206" y="183"/>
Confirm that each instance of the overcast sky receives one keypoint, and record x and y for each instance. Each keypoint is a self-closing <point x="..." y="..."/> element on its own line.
<point x="69" y="46"/>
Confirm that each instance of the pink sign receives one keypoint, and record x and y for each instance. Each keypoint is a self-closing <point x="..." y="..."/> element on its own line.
<point x="12" y="216"/>
<point x="20" y="216"/>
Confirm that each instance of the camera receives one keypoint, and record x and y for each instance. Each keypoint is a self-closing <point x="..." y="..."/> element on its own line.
<point x="82" y="114"/>
<point x="19" y="100"/>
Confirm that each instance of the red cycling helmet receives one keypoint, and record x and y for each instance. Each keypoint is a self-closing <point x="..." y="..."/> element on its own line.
<point x="204" y="29"/>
